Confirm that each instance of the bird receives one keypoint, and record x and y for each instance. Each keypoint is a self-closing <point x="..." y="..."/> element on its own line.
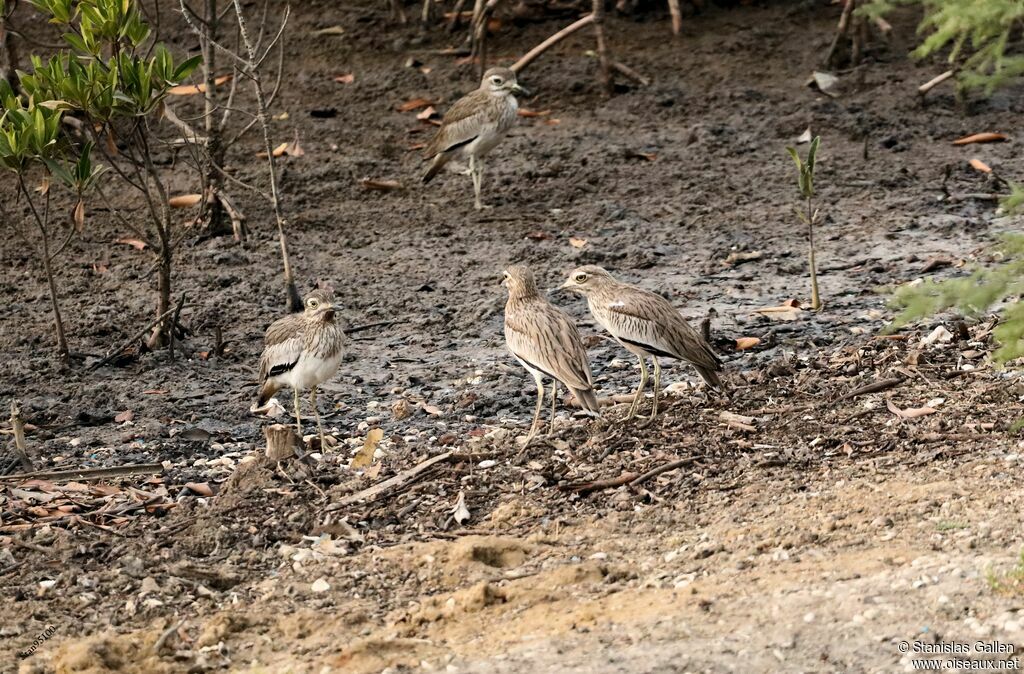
<point x="646" y="325"/>
<point x="544" y="339"/>
<point x="302" y="351"/>
<point x="475" y="124"/>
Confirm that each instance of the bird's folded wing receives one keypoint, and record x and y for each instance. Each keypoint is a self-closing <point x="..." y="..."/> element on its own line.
<point x="284" y="340"/>
<point x="461" y="124"/>
<point x="643" y="320"/>
<point x="550" y="343"/>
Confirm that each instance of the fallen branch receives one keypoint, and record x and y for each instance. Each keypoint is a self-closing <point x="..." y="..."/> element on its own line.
<point x="86" y="473"/>
<point x="550" y="42"/>
<point x="582" y="488"/>
<point x="629" y="73"/>
<point x="134" y="338"/>
<point x="672" y="465"/>
<point x="368" y="326"/>
<point x="873" y="387"/>
<point x="403" y="479"/>
<point x="934" y="82"/>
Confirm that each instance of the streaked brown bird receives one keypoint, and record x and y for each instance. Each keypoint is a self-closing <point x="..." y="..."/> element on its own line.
<point x="303" y="351"/>
<point x="475" y="124"/>
<point x="647" y="325"/>
<point x="546" y="342"/>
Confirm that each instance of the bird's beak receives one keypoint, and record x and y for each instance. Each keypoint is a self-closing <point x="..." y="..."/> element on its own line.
<point x="522" y="91"/>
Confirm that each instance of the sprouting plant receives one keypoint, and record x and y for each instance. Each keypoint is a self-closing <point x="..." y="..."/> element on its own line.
<point x="115" y="80"/>
<point x="806" y="212"/>
<point x="33" y="148"/>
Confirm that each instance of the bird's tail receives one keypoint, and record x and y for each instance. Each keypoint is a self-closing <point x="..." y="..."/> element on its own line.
<point x="710" y="375"/>
<point x="440" y="159"/>
<point x="588" y="400"/>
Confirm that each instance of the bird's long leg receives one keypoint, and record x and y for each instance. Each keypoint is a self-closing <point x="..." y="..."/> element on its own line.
<point x="554" y="401"/>
<point x="536" y="412"/>
<point x="639" y="391"/>
<point x="298" y="419"/>
<point x="478" y="176"/>
<point x="657" y="387"/>
<point x="316" y="412"/>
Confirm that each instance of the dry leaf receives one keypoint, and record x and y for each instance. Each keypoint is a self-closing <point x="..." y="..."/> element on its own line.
<point x="400" y="409"/>
<point x="787" y="311"/>
<point x="633" y="154"/>
<point x="192" y="89"/>
<point x="744" y="343"/>
<point x="381" y="185"/>
<point x="414" y="104"/>
<point x="154" y="392"/>
<point x="910" y="412"/>
<point x="538" y="236"/>
<point x="184" y="200"/>
<point x="980" y="166"/>
<point x="805" y="137"/>
<point x="576" y="242"/>
<point x="523" y="112"/>
<point x="201" y="488"/>
<point x="987" y="137"/>
<point x="78" y="215"/>
<point x="122" y="417"/>
<point x="826" y="82"/>
<point x="364" y="457"/>
<point x="738" y="257"/>
<point x="347" y="78"/>
<point x="134" y="243"/>
<point x="293" y="149"/>
<point x="281" y="117"/>
<point x="331" y="30"/>
<point x="460" y="513"/>
<point x="426" y="113"/>
<point x="277" y="152"/>
<point x="552" y="122"/>
<point x="431" y="409"/>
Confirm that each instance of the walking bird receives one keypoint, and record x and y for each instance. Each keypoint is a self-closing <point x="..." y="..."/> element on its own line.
<point x="475" y="124"/>
<point x="303" y="351"/>
<point x="546" y="342"/>
<point x="647" y="325"/>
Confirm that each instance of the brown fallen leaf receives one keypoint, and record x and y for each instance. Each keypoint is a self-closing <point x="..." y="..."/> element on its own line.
<point x="524" y="112"/>
<point x="577" y="242"/>
<point x="633" y="154"/>
<point x="417" y="146"/>
<point x="382" y="185"/>
<point x="414" y="104"/>
<point x="432" y="410"/>
<point x="538" y="235"/>
<point x="739" y="257"/>
<point x="201" y="488"/>
<point x="184" y="200"/>
<point x="987" y="137"/>
<point x="787" y="311"/>
<point x="552" y="121"/>
<point x="426" y="113"/>
<point x="330" y="30"/>
<point x="400" y="410"/>
<point x="744" y="343"/>
<point x="154" y="392"/>
<point x="277" y="151"/>
<point x="980" y="165"/>
<point x="192" y="89"/>
<point x="134" y="243"/>
<point x="347" y="78"/>
<point x="910" y="412"/>
<point x="122" y="417"/>
<point x="364" y="457"/>
<point x="294" y="149"/>
<point x="78" y="215"/>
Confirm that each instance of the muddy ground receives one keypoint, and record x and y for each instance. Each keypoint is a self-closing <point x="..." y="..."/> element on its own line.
<point x="816" y="535"/>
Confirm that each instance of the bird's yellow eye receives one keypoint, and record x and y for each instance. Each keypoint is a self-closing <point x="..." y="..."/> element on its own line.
<point x="580" y="278"/>
<point x="313" y="304"/>
<point x="496" y="80"/>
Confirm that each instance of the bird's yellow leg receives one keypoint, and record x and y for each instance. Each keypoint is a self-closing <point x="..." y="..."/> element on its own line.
<point x="554" y="401"/>
<point x="316" y="412"/>
<point x="536" y="412"/>
<point x="639" y="391"/>
<point x="657" y="387"/>
<point x="298" y="419"/>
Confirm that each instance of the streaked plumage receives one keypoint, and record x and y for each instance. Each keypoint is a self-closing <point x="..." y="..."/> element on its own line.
<point x="546" y="342"/>
<point x="646" y="324"/>
<point x="302" y="351"/>
<point x="475" y="124"/>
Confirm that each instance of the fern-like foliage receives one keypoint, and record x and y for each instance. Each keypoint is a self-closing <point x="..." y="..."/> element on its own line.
<point x="977" y="34"/>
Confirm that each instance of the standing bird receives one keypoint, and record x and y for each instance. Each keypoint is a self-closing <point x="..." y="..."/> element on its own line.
<point x="545" y="340"/>
<point x="646" y="324"/>
<point x="475" y="124"/>
<point x="303" y="351"/>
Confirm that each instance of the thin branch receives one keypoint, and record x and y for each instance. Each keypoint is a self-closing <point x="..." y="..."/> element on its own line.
<point x="550" y="42"/>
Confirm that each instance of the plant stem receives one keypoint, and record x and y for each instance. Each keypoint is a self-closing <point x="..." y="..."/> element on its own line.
<point x="815" y="297"/>
<point x="294" y="301"/>
<point x="44" y="238"/>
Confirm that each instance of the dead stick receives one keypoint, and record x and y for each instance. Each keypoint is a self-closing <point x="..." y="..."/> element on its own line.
<point x="629" y="73"/>
<point x="597" y="485"/>
<point x="677" y="16"/>
<point x="174" y="326"/>
<point x="136" y="337"/>
<point x="86" y="473"/>
<point x="672" y="465"/>
<point x="844" y="20"/>
<point x="873" y="387"/>
<point x="550" y="42"/>
<point x="404" y="478"/>
<point x="378" y="324"/>
<point x="18" y="425"/>
<point x="934" y="82"/>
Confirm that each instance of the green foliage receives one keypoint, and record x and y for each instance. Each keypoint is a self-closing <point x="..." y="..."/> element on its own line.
<point x="1010" y="582"/>
<point x="974" y="295"/>
<point x="805" y="169"/>
<point x="28" y="133"/>
<point x="976" y="33"/>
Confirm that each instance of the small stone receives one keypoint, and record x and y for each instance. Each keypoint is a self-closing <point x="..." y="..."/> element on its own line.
<point x="320" y="585"/>
<point x="809" y="617"/>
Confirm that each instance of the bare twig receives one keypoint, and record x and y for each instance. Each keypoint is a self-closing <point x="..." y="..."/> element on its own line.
<point x="597" y="485"/>
<point x="86" y="473"/>
<point x="672" y="465"/>
<point x="403" y="479"/>
<point x="873" y="387"/>
<point x="20" y="448"/>
<point x="934" y="82"/>
<point x="602" y="47"/>
<point x="134" y="338"/>
<point x="531" y="55"/>
<point x="677" y="16"/>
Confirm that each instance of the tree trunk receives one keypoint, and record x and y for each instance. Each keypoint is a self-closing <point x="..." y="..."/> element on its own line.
<point x="602" y="47"/>
<point x="8" y="56"/>
<point x="216" y="221"/>
<point x="58" y="322"/>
